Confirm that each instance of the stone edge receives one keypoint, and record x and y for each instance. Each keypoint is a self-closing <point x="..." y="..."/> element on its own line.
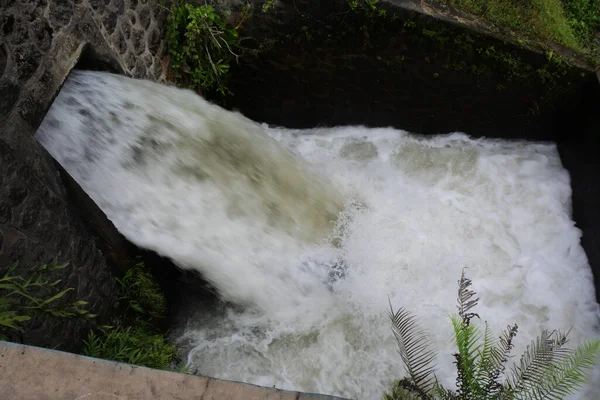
<point x="31" y="373"/>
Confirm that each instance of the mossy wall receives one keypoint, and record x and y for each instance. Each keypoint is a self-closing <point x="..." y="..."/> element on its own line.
<point x="326" y="63"/>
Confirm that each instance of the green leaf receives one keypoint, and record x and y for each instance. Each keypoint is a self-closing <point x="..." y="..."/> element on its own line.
<point x="11" y="319"/>
<point x="56" y="297"/>
<point x="413" y="347"/>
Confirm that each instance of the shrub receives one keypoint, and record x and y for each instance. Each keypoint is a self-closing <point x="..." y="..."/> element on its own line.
<point x="547" y="370"/>
<point x="142" y="294"/>
<point x="201" y="46"/>
<point x="133" y="338"/>
<point x="584" y="17"/>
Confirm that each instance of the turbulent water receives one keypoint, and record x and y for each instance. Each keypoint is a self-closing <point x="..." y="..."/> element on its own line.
<point x="308" y="234"/>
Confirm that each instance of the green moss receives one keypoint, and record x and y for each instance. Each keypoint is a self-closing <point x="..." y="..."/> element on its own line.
<point x="461" y="50"/>
<point x="571" y="23"/>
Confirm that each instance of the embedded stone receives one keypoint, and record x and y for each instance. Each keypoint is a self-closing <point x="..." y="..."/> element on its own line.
<point x="138" y="40"/>
<point x="109" y="20"/>
<point x="27" y="58"/>
<point x="145" y="16"/>
<point x="42" y="31"/>
<point x="9" y="93"/>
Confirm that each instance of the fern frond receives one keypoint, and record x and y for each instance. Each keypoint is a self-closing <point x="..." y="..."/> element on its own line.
<point x="536" y="363"/>
<point x="441" y="393"/>
<point x="486" y="366"/>
<point x="414" y="349"/>
<point x="398" y="392"/>
<point x="465" y="299"/>
<point x="566" y="376"/>
<point x="467" y="340"/>
<point x="493" y="359"/>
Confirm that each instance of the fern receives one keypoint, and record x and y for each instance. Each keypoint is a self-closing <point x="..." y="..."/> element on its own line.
<point x="486" y="364"/>
<point x="400" y="392"/>
<point x="492" y="361"/>
<point x="546" y="371"/>
<point x="465" y="299"/>
<point x="531" y="371"/>
<point x="466" y="339"/>
<point x="564" y="377"/>
<point x="413" y="347"/>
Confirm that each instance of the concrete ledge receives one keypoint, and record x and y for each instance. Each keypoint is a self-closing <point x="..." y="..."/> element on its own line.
<point x="34" y="373"/>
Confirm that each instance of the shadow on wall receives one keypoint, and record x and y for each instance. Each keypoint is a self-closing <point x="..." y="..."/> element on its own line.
<point x="580" y="157"/>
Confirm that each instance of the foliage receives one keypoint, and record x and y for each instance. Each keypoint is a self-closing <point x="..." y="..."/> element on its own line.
<point x="22" y="297"/>
<point x="462" y="51"/>
<point x="201" y="46"/>
<point x="398" y="392"/>
<point x="268" y="5"/>
<point x="133" y="346"/>
<point x="584" y="17"/>
<point x="371" y="14"/>
<point x="133" y="338"/>
<point x="142" y="294"/>
<point x="547" y="369"/>
<point x="568" y="22"/>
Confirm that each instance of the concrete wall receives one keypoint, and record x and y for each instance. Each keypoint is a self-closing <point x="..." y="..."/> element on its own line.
<point x="42" y="211"/>
<point x="581" y="158"/>
<point x="32" y="373"/>
<point x="325" y="66"/>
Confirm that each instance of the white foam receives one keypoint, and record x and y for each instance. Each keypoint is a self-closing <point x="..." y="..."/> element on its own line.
<point x="418" y="210"/>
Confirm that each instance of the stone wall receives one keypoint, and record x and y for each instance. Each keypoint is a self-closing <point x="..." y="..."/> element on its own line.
<point x="43" y="213"/>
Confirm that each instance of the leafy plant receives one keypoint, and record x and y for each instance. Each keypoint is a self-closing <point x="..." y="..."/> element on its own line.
<point x="22" y="297"/>
<point x="141" y="293"/>
<point x="133" y="338"/>
<point x="133" y="346"/>
<point x="268" y="5"/>
<point x="584" y="17"/>
<point x="547" y="370"/>
<point x="201" y="46"/>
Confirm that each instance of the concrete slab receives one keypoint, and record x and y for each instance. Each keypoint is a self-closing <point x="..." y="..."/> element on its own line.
<point x="34" y="373"/>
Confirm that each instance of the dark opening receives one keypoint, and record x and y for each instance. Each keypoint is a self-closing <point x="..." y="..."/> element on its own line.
<point x="92" y="60"/>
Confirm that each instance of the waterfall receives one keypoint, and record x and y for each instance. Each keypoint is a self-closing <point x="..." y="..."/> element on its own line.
<point x="307" y="234"/>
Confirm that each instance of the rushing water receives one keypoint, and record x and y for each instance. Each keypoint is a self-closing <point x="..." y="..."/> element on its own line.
<point x="307" y="234"/>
